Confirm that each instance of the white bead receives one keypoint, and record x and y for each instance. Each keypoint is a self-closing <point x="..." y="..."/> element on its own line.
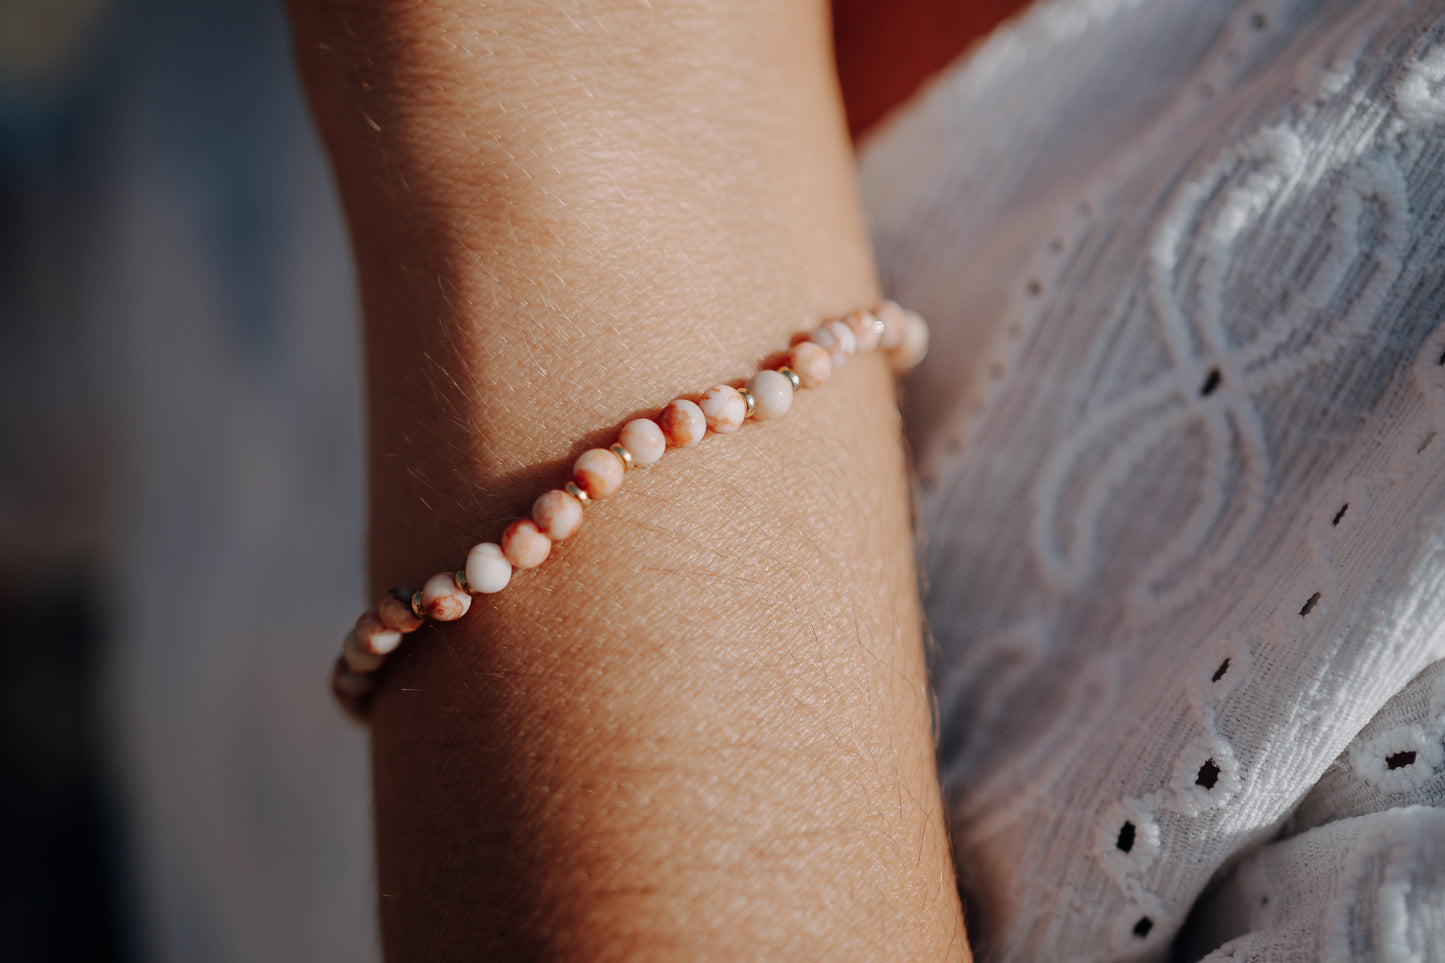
<point x="914" y="346"/>
<point x="724" y="409"/>
<point x="644" y="439"/>
<point x="773" y="394"/>
<point x="838" y="339"/>
<point x="443" y="599"/>
<point x="487" y="569"/>
<point x="372" y="635"/>
<point x="357" y="658"/>
<point x="683" y="423"/>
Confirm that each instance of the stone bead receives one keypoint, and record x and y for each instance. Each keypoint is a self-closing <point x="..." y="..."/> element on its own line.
<point x="487" y="569"/>
<point x="373" y="636"/>
<point x="644" y="439"/>
<point x="837" y="339"/>
<point x="811" y="362"/>
<point x="351" y="688"/>
<point x="444" y="599"/>
<point x="524" y="544"/>
<point x="557" y="514"/>
<point x="598" y="473"/>
<point x="357" y="658"/>
<point x="396" y="612"/>
<point x="724" y="409"/>
<point x="893" y="324"/>
<point x="914" y="345"/>
<point x="683" y="423"/>
<point x="773" y="393"/>
<point x="866" y="329"/>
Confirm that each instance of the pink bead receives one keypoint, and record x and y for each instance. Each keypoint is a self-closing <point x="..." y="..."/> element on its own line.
<point x="866" y="329"/>
<point x="557" y="514"/>
<point x="811" y="362"/>
<point x="837" y="339"/>
<point x="524" y="544"/>
<point x="724" y="409"/>
<point x="598" y="473"/>
<point x="395" y="610"/>
<point x="374" y="637"/>
<point x="893" y="322"/>
<point x="683" y="423"/>
<point x="644" y="440"/>
<point x="443" y="599"/>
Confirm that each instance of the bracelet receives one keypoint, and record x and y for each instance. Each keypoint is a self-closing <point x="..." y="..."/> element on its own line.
<point x="527" y="542"/>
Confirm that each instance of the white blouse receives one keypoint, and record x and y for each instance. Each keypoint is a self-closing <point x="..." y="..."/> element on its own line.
<point x="1181" y="456"/>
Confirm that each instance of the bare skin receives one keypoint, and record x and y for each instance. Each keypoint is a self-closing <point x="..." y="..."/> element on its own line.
<point x="702" y="729"/>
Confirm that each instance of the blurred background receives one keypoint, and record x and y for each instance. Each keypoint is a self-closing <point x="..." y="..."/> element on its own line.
<point x="181" y="491"/>
<point x="180" y="495"/>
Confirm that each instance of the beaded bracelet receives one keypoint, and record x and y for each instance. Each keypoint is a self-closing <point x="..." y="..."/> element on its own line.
<point x="527" y="542"/>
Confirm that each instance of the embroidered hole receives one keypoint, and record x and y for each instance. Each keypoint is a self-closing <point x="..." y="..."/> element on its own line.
<point x="1259" y="21"/>
<point x="1211" y="383"/>
<point x="1309" y="605"/>
<point x="1208" y="775"/>
<point x="1397" y="760"/>
<point x="1219" y="672"/>
<point x="1403" y="759"/>
<point x="1142" y="928"/>
<point x="1125" y="841"/>
<point x="1340" y="514"/>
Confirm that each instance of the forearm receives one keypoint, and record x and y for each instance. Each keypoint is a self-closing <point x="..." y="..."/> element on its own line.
<point x="702" y="728"/>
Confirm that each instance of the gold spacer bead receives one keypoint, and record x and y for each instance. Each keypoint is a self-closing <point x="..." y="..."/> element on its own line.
<point x="575" y="490"/>
<point x="417" y="608"/>
<point x="748" y="400"/>
<point x="623" y="455"/>
<point x="461" y="578"/>
<point x="792" y="377"/>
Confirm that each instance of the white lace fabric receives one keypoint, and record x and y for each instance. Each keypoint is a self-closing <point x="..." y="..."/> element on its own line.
<point x="1182" y="457"/>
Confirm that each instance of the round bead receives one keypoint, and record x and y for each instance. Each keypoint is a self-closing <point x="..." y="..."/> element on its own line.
<point x="914" y="345"/>
<point x="683" y="423"/>
<point x="373" y="636"/>
<point x="724" y="409"/>
<point x="557" y="514"/>
<point x="351" y="688"/>
<point x="867" y="329"/>
<point x="837" y="339"/>
<point x="773" y="394"/>
<point x="357" y="658"/>
<point x="644" y="439"/>
<point x="811" y="362"/>
<point x="395" y="610"/>
<point x="524" y="544"/>
<point x="598" y="473"/>
<point x="891" y="315"/>
<point x="443" y="598"/>
<point x="487" y="569"/>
